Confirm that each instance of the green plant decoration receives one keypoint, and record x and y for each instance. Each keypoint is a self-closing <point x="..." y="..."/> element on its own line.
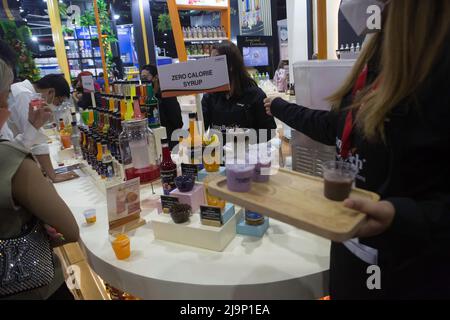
<point x="164" y="23"/>
<point x="88" y="20"/>
<point x="17" y="38"/>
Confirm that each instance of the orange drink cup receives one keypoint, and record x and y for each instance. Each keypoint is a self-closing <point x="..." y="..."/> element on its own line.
<point x="121" y="246"/>
<point x="90" y="215"/>
<point x="214" y="167"/>
<point x="66" y="140"/>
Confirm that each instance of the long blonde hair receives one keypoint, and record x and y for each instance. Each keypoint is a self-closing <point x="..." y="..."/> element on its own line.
<point x="409" y="46"/>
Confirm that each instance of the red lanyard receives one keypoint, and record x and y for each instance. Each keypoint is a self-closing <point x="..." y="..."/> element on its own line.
<point x="348" y="128"/>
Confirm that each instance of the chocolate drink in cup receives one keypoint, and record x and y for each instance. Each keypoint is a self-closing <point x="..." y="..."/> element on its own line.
<point x="338" y="190"/>
<point x="338" y="180"/>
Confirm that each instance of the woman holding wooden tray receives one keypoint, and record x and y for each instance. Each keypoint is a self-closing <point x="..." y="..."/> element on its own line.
<point x="391" y="116"/>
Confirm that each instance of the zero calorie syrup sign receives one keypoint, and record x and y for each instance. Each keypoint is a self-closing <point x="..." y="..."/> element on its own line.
<point x="193" y="77"/>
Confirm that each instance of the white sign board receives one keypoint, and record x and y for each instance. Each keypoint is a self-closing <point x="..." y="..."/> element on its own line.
<point x="193" y="77"/>
<point x="88" y="84"/>
<point x="123" y="200"/>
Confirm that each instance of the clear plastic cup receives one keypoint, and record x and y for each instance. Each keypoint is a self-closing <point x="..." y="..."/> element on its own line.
<point x="239" y="177"/>
<point x="37" y="101"/>
<point x="338" y="177"/>
<point x="121" y="246"/>
<point x="90" y="215"/>
<point x="66" y="140"/>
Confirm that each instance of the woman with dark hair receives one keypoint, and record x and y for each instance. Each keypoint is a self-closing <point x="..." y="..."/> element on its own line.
<point x="243" y="106"/>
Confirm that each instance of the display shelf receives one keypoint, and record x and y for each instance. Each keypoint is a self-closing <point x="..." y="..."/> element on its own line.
<point x="47" y="65"/>
<point x="201" y="7"/>
<point x="174" y="8"/>
<point x="84" y="39"/>
<point x="204" y="39"/>
<point x="83" y="44"/>
<point x="197" y="56"/>
<point x="194" y="233"/>
<point x="85" y="58"/>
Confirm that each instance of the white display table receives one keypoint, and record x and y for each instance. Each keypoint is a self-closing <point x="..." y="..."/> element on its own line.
<point x="286" y="264"/>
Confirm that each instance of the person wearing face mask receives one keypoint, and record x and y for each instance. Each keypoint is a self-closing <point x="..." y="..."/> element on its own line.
<point x="54" y="90"/>
<point x="37" y="118"/>
<point x="169" y="108"/>
<point x="243" y="106"/>
<point x="21" y="206"/>
<point x="390" y="119"/>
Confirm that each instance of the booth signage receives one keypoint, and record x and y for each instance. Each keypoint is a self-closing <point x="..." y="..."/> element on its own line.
<point x="189" y="169"/>
<point x="88" y="84"/>
<point x="167" y="203"/>
<point x="123" y="200"/>
<point x="193" y="77"/>
<point x="211" y="216"/>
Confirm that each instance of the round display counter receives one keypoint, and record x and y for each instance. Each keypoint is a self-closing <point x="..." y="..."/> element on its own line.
<point x="286" y="263"/>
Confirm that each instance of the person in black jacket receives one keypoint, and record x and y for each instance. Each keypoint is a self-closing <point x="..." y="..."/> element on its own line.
<point x="169" y="108"/>
<point x="390" y="119"/>
<point x="243" y="106"/>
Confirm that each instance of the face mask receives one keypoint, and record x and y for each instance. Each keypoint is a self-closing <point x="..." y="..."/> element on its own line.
<point x="364" y="16"/>
<point x="4" y="115"/>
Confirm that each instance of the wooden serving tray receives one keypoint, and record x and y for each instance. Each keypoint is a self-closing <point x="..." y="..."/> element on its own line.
<point x="298" y="200"/>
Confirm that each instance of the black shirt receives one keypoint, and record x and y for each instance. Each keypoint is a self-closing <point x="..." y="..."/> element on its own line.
<point x="247" y="111"/>
<point x="85" y="101"/>
<point x="170" y="116"/>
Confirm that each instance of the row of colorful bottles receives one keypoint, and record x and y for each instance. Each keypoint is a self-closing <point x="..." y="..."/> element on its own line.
<point x="259" y="77"/>
<point x="136" y="100"/>
<point x="204" y="32"/>
<point x="350" y="48"/>
<point x="100" y="150"/>
<point x="199" y="49"/>
<point x="119" y="131"/>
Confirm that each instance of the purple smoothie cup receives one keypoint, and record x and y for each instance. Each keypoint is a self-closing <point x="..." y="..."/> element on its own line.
<point x="239" y="177"/>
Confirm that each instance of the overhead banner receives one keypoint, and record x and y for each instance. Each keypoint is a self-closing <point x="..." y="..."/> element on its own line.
<point x="193" y="77"/>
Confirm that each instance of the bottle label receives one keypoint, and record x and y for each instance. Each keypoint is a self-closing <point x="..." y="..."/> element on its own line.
<point x="153" y="115"/>
<point x="109" y="170"/>
<point x="168" y="180"/>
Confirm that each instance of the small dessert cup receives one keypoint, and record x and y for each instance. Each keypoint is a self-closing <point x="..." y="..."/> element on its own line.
<point x="239" y="177"/>
<point x="338" y="177"/>
<point x="90" y="215"/>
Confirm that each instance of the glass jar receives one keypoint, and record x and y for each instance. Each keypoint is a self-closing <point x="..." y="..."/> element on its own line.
<point x="62" y="112"/>
<point x="138" y="151"/>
